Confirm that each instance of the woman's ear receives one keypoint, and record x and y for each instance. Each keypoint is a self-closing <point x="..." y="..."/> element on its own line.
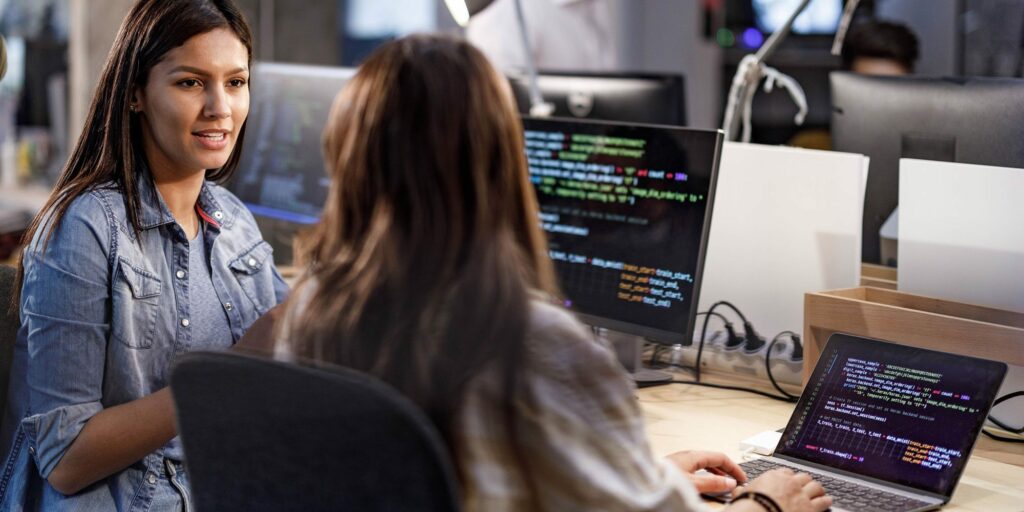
<point x="135" y="105"/>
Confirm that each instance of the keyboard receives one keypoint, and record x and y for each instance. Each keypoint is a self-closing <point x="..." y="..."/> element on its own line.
<point x="845" y="494"/>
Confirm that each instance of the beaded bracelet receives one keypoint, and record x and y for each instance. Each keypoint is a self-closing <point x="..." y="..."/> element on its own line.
<point x="761" y="499"/>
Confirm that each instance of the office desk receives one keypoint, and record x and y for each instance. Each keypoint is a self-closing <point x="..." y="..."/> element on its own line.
<point x="686" y="417"/>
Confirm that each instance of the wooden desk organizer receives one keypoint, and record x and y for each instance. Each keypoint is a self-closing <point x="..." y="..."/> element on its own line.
<point x="878" y="276"/>
<point x="913" y="320"/>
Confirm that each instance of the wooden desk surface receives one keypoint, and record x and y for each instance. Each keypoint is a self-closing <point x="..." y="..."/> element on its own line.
<point x="682" y="417"/>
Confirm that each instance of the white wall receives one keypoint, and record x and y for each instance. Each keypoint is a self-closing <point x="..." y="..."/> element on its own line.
<point x="935" y="23"/>
<point x="665" y="36"/>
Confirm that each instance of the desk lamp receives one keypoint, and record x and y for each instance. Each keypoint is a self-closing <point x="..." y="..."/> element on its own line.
<point x="462" y="10"/>
<point x="749" y="74"/>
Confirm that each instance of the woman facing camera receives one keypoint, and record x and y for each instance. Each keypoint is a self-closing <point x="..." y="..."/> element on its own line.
<point x="429" y="271"/>
<point x="136" y="258"/>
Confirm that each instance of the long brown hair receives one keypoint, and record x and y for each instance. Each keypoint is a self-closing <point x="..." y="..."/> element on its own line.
<point x="422" y="266"/>
<point x="109" y="148"/>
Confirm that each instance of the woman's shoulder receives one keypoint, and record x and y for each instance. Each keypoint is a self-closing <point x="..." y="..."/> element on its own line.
<point x="95" y="208"/>
<point x="97" y="200"/>
<point x="558" y="342"/>
<point x="85" y="227"/>
<point x="547" y="319"/>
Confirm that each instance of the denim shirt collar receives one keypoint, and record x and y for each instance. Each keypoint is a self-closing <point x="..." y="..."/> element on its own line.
<point x="154" y="211"/>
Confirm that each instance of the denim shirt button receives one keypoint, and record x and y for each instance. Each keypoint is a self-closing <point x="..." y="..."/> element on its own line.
<point x="218" y="215"/>
<point x="180" y="274"/>
<point x="184" y="322"/>
<point x="228" y="306"/>
<point x="151" y="479"/>
<point x="252" y="262"/>
<point x="32" y="450"/>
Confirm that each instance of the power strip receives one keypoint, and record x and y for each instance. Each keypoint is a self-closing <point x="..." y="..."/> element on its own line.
<point x="719" y="358"/>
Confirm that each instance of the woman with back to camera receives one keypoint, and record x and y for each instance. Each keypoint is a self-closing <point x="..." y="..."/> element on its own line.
<point x="135" y="258"/>
<point x="429" y="271"/>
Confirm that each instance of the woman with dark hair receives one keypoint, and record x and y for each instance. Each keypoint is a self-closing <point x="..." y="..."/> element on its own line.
<point x="136" y="258"/>
<point x="429" y="271"/>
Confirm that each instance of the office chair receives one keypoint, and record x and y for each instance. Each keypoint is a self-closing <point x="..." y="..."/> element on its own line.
<point x="9" y="323"/>
<point x="263" y="435"/>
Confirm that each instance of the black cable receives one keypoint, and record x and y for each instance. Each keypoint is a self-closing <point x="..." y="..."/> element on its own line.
<point x="709" y="313"/>
<point x="1012" y="430"/>
<point x="733" y="388"/>
<point x="732" y="307"/>
<point x="704" y="333"/>
<point x="719" y="315"/>
<point x="1004" y="439"/>
<point x="768" y="364"/>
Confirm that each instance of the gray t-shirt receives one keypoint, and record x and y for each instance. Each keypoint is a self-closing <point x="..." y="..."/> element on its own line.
<point x="204" y="307"/>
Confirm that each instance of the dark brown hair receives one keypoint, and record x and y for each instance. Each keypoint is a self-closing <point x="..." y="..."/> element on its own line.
<point x="423" y="264"/>
<point x="881" y="40"/>
<point x="109" y="148"/>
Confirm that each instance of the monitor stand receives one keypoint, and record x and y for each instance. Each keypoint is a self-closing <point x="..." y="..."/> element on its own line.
<point x="628" y="349"/>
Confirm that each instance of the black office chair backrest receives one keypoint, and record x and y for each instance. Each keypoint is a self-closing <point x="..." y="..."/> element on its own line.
<point x="263" y="435"/>
<point x="9" y="323"/>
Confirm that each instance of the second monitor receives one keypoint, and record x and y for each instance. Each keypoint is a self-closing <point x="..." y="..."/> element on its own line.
<point x="967" y="120"/>
<point x="626" y="97"/>
<point x="281" y="176"/>
<point x="626" y="209"/>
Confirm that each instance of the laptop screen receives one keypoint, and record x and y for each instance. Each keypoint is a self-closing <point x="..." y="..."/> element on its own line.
<point x="901" y="414"/>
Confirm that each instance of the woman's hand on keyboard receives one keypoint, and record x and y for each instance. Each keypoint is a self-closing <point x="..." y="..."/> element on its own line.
<point x="793" y="492"/>
<point x="720" y="472"/>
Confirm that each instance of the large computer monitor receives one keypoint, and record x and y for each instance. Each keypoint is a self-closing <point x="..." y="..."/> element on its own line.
<point x="281" y="176"/>
<point x="626" y="209"/>
<point x="968" y="120"/>
<point x="625" y="97"/>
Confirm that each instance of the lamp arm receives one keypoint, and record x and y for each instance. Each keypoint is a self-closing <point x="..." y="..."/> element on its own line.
<point x="844" y="26"/>
<point x="776" y="38"/>
<point x="749" y="74"/>
<point x="537" y="105"/>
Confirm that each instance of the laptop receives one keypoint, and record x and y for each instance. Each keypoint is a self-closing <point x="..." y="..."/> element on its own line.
<point x="886" y="427"/>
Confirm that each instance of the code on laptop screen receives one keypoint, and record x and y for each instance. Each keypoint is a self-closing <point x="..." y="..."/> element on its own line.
<point x="902" y="414"/>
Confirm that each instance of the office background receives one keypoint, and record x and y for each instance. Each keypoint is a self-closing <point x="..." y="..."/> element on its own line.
<point x="702" y="39"/>
<point x="63" y="44"/>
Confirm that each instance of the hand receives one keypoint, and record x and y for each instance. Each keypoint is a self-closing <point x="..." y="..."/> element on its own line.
<point x="724" y="473"/>
<point x="794" y="492"/>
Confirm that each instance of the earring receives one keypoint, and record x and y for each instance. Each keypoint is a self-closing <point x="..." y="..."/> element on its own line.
<point x="133" y="107"/>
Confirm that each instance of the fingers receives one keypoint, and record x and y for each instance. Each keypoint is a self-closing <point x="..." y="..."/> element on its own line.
<point x="720" y="463"/>
<point x="813" y="489"/>
<point x="802" y="479"/>
<point x="712" y="484"/>
<point x="821" y="503"/>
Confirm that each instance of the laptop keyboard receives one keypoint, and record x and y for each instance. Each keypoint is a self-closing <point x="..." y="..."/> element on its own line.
<point x="845" y="494"/>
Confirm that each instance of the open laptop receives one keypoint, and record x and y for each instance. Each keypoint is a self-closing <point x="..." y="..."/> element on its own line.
<point x="886" y="427"/>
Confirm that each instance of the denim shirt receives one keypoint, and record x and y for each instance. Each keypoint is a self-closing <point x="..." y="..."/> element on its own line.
<point x="104" y="314"/>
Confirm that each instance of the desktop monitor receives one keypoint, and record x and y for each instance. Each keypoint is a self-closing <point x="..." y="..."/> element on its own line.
<point x="626" y="209"/>
<point x="625" y="97"/>
<point x="281" y="176"/>
<point x="967" y="120"/>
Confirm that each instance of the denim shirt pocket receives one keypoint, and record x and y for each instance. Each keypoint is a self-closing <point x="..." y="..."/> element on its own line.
<point x="136" y="295"/>
<point x="253" y="269"/>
